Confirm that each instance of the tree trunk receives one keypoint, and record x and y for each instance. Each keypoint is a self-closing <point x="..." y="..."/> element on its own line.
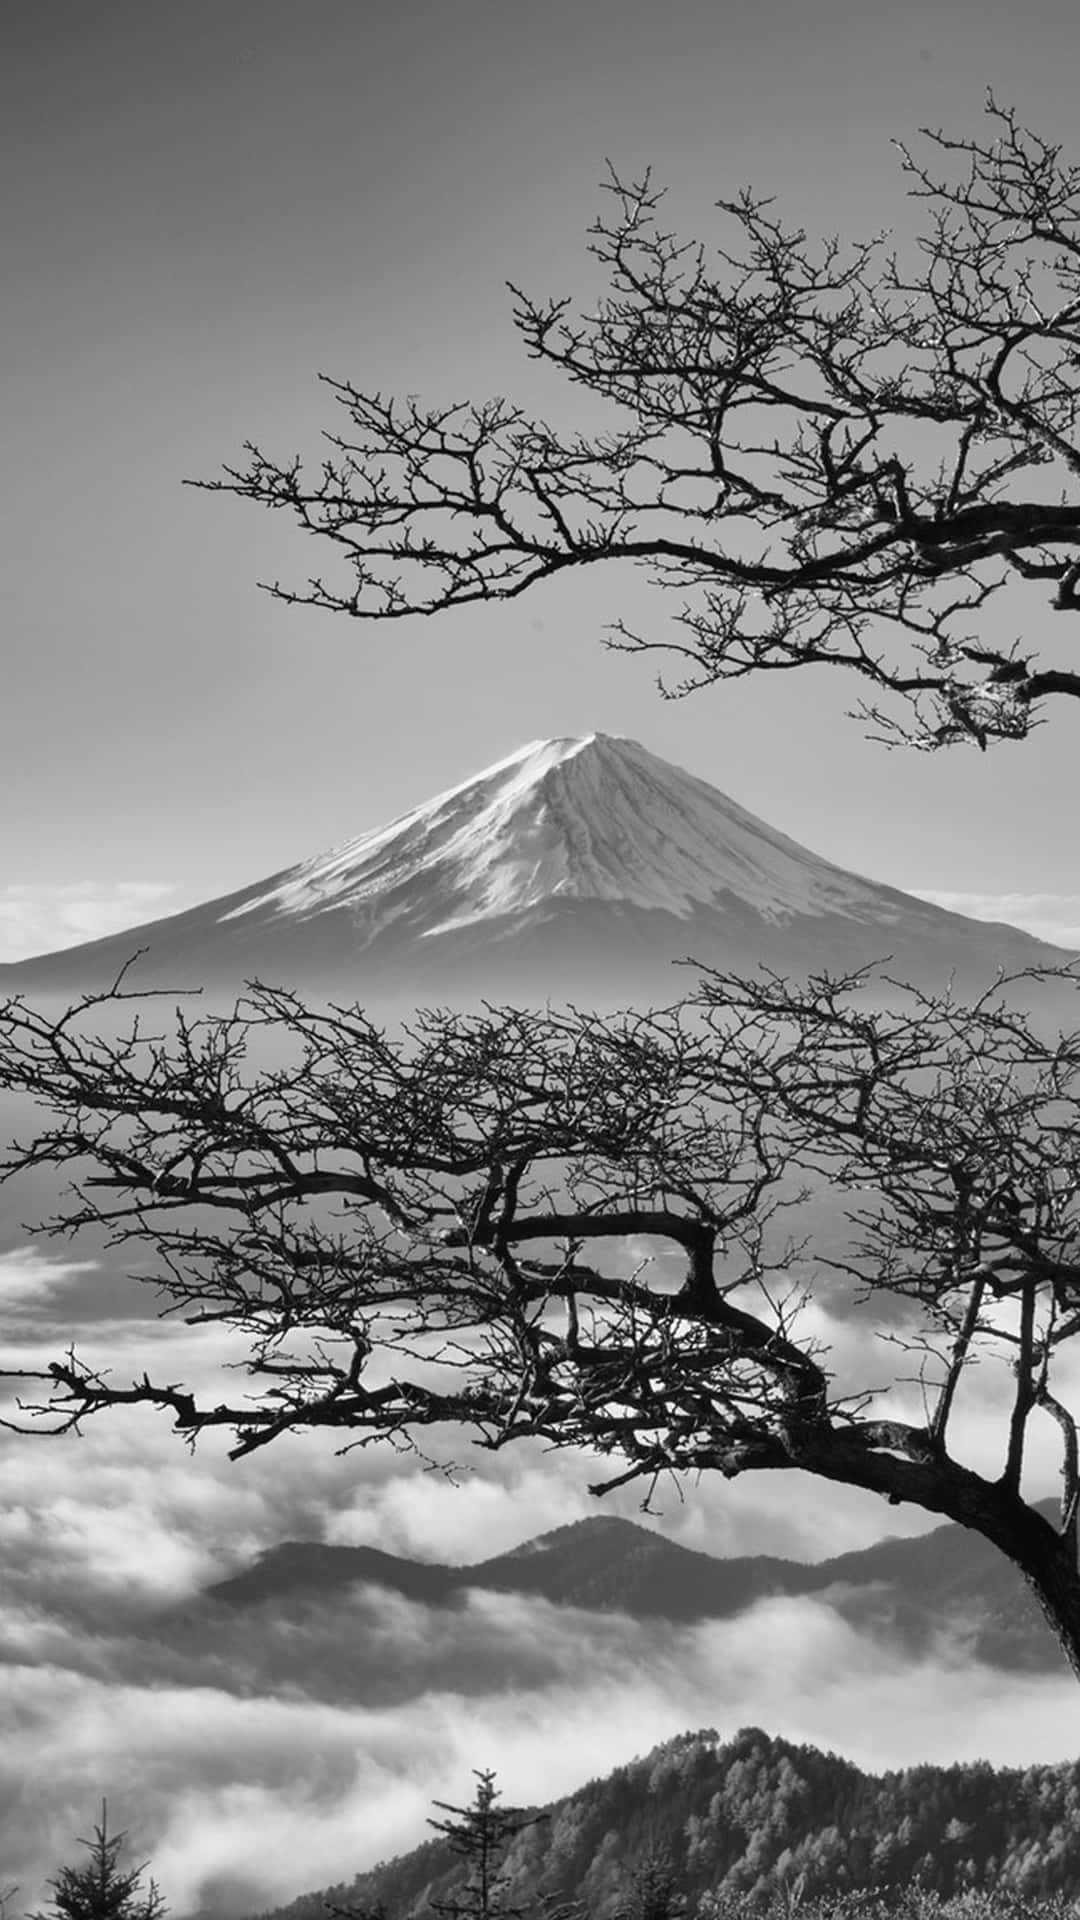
<point x="1046" y="1558"/>
<point x="1049" y="1566"/>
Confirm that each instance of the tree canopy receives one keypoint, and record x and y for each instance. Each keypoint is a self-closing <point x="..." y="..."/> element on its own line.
<point x="584" y="1230"/>
<point x="755" y="1824"/>
<point x="836" y="452"/>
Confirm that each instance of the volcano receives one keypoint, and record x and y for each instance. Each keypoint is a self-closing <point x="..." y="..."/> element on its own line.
<point x="574" y="868"/>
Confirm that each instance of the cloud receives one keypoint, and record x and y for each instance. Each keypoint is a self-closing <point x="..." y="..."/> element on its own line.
<point x="130" y="1498"/>
<point x="1049" y="916"/>
<point x="129" y="1495"/>
<point x="792" y="1667"/>
<point x="244" y="1792"/>
<point x="31" y="1280"/>
<point x="240" y="1801"/>
<point x="37" y="918"/>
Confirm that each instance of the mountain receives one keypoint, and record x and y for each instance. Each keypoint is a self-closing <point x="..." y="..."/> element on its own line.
<point x="352" y="1626"/>
<point x="764" y="1826"/>
<point x="574" y="867"/>
<point x="950" y="1582"/>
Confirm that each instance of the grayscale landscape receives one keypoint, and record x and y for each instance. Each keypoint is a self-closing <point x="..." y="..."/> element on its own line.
<point x="540" y="972"/>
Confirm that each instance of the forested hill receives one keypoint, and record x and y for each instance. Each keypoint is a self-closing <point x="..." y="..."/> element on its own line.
<point x="753" y="1815"/>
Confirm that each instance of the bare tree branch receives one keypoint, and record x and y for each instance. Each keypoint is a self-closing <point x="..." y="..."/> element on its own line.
<point x="840" y="457"/>
<point x="558" y="1226"/>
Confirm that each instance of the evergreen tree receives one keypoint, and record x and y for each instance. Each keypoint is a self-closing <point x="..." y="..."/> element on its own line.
<point x="655" y="1892"/>
<point x="480" y="1833"/>
<point x="100" y="1889"/>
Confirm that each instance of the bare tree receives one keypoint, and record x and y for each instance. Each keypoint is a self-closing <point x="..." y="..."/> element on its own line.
<point x="840" y="456"/>
<point x="515" y="1225"/>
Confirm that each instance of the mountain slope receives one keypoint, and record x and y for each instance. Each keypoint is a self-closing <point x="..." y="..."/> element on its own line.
<point x="575" y="865"/>
<point x="758" y="1820"/>
<point x="949" y="1582"/>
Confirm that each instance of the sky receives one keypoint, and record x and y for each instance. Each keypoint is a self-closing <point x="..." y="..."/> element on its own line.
<point x="206" y="206"/>
<point x="214" y="204"/>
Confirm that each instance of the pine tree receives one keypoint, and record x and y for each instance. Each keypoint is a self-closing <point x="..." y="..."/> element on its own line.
<point x="655" y="1893"/>
<point x="100" y="1890"/>
<point x="480" y="1833"/>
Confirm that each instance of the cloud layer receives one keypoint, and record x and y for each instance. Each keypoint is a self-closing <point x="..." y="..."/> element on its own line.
<point x="42" y="919"/>
<point x="243" y="1796"/>
<point x="1049" y="916"/>
<point x="241" y="1801"/>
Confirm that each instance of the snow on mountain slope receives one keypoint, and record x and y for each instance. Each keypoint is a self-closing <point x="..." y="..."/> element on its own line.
<point x="593" y="818"/>
<point x="573" y="867"/>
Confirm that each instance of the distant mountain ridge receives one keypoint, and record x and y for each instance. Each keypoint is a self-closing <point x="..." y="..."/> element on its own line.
<point x="949" y="1581"/>
<point x="578" y="865"/>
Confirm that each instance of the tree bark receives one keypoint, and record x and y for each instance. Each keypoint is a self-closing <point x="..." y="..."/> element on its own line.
<point x="1048" y="1564"/>
<point x="1046" y="1558"/>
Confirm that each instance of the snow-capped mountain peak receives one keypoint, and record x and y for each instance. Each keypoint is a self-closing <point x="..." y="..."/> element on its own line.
<point x="596" y="817"/>
<point x="574" y="867"/>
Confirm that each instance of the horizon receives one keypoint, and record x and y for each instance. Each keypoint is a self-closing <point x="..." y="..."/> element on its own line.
<point x="933" y="1525"/>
